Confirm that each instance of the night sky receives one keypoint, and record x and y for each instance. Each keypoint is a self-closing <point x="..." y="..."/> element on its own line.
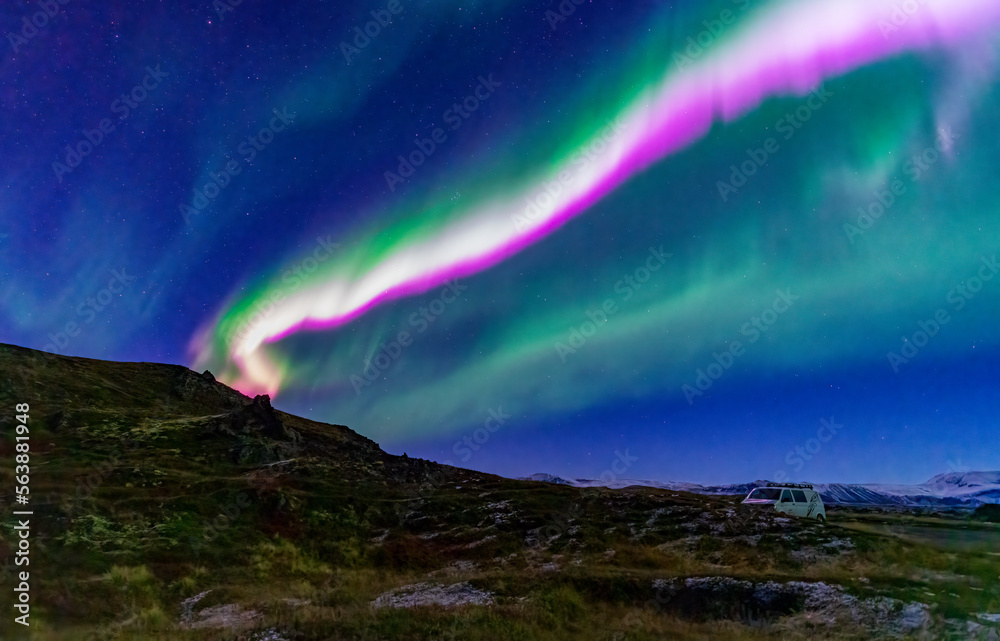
<point x="703" y="241"/>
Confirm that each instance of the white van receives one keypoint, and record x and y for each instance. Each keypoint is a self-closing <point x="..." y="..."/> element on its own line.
<point x="794" y="499"/>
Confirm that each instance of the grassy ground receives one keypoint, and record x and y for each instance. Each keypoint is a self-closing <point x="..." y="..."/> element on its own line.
<point x="156" y="486"/>
<point x="949" y="534"/>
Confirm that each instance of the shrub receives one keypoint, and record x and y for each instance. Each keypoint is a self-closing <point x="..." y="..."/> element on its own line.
<point x="563" y="603"/>
<point x="989" y="512"/>
<point x="282" y="558"/>
<point x="152" y="617"/>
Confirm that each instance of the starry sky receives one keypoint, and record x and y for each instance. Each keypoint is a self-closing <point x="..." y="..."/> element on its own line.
<point x="710" y="241"/>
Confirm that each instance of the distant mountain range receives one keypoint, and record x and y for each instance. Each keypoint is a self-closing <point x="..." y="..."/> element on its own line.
<point x="968" y="489"/>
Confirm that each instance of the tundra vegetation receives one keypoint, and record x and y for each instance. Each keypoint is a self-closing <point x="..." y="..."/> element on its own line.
<point x="168" y="506"/>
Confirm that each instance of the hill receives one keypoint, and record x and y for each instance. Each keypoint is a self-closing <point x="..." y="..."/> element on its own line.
<point x="169" y="506"/>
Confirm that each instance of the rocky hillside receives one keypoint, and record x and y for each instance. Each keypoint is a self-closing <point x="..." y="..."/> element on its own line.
<point x="168" y="506"/>
<point x="86" y="402"/>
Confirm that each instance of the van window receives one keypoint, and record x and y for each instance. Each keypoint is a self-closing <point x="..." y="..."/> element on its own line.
<point x="786" y="496"/>
<point x="800" y="496"/>
<point x="768" y="493"/>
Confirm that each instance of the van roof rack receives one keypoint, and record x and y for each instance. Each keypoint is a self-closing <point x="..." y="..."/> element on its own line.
<point x="805" y="486"/>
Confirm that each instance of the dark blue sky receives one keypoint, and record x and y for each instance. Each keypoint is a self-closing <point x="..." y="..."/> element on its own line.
<point x="166" y="169"/>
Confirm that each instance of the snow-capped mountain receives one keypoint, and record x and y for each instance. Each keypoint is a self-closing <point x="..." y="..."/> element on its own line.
<point x="952" y="488"/>
<point x="980" y="484"/>
<point x="546" y="478"/>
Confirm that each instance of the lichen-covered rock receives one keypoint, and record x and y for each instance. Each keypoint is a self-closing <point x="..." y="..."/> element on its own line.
<point x="420" y="594"/>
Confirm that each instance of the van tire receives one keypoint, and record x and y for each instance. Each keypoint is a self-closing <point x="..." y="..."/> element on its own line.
<point x="821" y="519"/>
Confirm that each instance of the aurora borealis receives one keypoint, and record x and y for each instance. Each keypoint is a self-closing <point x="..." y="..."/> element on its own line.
<point x="532" y="237"/>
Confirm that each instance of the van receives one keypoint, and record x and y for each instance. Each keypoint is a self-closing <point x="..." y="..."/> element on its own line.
<point x="794" y="499"/>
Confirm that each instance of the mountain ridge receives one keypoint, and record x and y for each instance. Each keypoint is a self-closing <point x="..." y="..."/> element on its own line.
<point x="65" y="391"/>
<point x="949" y="489"/>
